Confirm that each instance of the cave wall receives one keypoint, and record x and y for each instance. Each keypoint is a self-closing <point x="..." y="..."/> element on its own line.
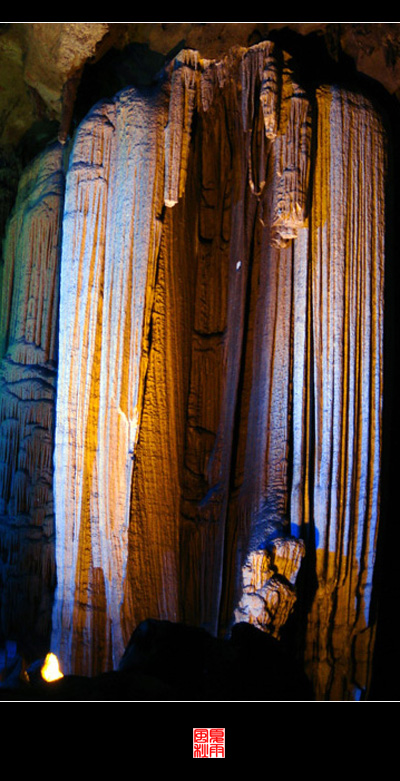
<point x="28" y="376"/>
<point x="219" y="380"/>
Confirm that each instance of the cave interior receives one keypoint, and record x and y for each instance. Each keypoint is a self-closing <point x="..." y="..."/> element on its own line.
<point x="186" y="550"/>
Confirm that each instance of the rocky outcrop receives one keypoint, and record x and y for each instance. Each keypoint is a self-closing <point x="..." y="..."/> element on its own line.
<point x="268" y="585"/>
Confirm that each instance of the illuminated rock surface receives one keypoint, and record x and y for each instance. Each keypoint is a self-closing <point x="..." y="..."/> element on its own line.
<point x="28" y="367"/>
<point x="41" y="63"/>
<point x="268" y="577"/>
<point x="340" y="503"/>
<point x="219" y="387"/>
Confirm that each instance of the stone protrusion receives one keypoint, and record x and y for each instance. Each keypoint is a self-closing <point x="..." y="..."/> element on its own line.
<point x="268" y="592"/>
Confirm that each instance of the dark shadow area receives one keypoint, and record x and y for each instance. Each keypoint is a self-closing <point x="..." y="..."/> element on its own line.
<point x="168" y="661"/>
<point x="385" y="684"/>
<point x="36" y="139"/>
<point x="134" y="66"/>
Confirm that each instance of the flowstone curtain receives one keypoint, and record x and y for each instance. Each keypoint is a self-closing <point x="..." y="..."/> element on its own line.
<point x="29" y="283"/>
<point x="346" y="290"/>
<point x="309" y="450"/>
<point x="219" y="381"/>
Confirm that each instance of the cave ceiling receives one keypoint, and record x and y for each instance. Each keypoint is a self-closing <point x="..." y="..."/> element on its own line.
<point x="42" y="64"/>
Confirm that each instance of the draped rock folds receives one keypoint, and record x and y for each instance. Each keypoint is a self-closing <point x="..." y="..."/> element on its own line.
<point x="219" y="392"/>
<point x="28" y="369"/>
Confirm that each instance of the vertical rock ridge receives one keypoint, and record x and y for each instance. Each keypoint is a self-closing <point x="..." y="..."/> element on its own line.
<point x="182" y="104"/>
<point x="348" y="247"/>
<point x="28" y="370"/>
<point x="292" y="169"/>
<point x="110" y="245"/>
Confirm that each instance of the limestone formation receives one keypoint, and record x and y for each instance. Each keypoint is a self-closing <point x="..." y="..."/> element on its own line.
<point x="28" y="368"/>
<point x="219" y="384"/>
<point x="347" y="285"/>
<point x="268" y="578"/>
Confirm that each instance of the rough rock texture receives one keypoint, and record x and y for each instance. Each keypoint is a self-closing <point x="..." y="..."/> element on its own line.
<point x="221" y="343"/>
<point x="41" y="63"/>
<point x="111" y="233"/>
<point x="346" y="278"/>
<point x="268" y="579"/>
<point x="37" y="62"/>
<point x="219" y="391"/>
<point x="55" y="52"/>
<point x="28" y="367"/>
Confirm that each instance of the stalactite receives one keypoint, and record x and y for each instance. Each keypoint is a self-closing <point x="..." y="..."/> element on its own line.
<point x="182" y="104"/>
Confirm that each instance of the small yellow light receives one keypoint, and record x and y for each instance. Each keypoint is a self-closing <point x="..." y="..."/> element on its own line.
<point x="50" y="670"/>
